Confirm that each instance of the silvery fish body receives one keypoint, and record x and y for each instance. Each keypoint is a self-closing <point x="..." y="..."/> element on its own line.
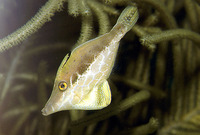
<point x="81" y="81"/>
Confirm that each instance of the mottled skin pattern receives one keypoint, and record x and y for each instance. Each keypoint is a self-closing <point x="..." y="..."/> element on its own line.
<point x="83" y="56"/>
<point x="78" y="64"/>
<point x="86" y="72"/>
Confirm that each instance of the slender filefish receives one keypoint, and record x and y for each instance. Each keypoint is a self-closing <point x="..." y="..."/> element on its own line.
<point x="81" y="80"/>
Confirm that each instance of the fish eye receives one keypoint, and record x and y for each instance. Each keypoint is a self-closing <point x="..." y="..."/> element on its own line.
<point x="62" y="86"/>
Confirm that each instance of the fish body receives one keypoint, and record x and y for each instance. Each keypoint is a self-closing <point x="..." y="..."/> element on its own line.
<point x="81" y="80"/>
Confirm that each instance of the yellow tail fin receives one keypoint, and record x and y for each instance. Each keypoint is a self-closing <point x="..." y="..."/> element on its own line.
<point x="128" y="17"/>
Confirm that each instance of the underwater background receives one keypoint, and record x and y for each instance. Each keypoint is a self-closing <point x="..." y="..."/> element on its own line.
<point x="155" y="82"/>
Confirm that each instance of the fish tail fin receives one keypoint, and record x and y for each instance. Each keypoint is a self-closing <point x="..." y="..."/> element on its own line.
<point x="128" y="17"/>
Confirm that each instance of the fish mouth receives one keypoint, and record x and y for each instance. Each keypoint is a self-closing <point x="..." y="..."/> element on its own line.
<point x="45" y="111"/>
<point x="48" y="109"/>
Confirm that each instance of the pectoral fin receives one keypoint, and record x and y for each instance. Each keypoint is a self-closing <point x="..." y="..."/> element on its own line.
<point x="98" y="98"/>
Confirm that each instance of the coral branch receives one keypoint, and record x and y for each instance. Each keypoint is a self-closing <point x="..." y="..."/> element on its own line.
<point x="43" y="15"/>
<point x="169" y="35"/>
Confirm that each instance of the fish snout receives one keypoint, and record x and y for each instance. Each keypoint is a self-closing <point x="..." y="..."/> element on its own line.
<point x="44" y="111"/>
<point x="47" y="110"/>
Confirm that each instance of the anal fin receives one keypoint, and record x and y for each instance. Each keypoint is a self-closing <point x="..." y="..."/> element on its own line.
<point x="98" y="98"/>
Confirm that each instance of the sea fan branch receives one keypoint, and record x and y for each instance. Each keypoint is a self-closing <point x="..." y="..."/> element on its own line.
<point x="43" y="15"/>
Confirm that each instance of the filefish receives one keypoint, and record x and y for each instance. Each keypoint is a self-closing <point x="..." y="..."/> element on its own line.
<point x="81" y="80"/>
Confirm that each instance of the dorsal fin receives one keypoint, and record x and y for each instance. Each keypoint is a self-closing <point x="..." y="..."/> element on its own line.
<point x="64" y="61"/>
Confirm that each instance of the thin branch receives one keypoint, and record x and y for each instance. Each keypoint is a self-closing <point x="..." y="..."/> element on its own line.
<point x="169" y="35"/>
<point x="43" y="15"/>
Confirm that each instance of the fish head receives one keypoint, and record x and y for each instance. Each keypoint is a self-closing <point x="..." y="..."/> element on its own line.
<point x="63" y="96"/>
